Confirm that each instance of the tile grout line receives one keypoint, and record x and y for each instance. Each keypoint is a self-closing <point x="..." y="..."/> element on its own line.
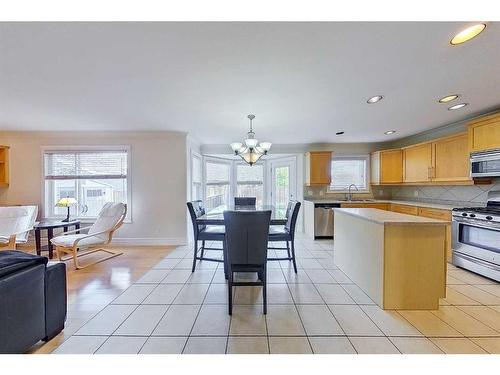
<point x="472" y="316"/>
<point x="199" y="310"/>
<point x="458" y="306"/>
<point x="300" y="317"/>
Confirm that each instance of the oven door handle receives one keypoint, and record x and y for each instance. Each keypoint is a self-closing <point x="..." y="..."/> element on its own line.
<point x="472" y="224"/>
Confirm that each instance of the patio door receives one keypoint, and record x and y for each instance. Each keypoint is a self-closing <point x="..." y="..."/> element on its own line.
<point x="283" y="182"/>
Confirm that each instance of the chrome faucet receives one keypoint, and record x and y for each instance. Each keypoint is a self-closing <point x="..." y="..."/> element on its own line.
<point x="349" y="194"/>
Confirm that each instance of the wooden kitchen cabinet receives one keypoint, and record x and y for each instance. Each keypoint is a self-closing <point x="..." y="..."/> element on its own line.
<point x="438" y="214"/>
<point x="444" y="160"/>
<point x="434" y="213"/>
<point x="387" y="167"/>
<point x="450" y="159"/>
<point x="4" y="166"/>
<point x="484" y="133"/>
<point x="318" y="168"/>
<point x="417" y="163"/>
<point x="404" y="209"/>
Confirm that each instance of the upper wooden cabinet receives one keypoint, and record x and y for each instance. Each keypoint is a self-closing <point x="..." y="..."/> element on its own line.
<point x="387" y="167"/>
<point x="417" y="163"/>
<point x="318" y="168"/>
<point x="484" y="133"/>
<point x="451" y="159"/>
<point x="442" y="160"/>
<point x="4" y="166"/>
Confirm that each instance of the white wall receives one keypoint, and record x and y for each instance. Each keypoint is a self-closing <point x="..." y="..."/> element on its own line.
<point x="158" y="178"/>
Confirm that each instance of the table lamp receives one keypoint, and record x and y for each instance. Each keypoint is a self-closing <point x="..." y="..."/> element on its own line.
<point x="66" y="202"/>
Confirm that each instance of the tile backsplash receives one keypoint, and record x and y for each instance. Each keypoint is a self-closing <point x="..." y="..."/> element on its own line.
<point x="456" y="195"/>
<point x="453" y="195"/>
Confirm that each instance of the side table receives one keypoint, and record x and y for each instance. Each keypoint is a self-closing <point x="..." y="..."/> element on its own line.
<point x="49" y="226"/>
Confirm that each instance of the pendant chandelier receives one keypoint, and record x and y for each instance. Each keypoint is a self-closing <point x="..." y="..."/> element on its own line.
<point x="251" y="151"/>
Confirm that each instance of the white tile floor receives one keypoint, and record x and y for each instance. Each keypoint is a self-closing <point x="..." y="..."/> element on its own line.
<point x="317" y="310"/>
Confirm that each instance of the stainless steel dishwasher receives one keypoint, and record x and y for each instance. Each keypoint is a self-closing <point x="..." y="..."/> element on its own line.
<point x="323" y="219"/>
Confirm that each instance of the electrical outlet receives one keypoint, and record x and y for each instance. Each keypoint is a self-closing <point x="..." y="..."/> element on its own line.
<point x="321" y="192"/>
<point x="381" y="191"/>
<point x="415" y="193"/>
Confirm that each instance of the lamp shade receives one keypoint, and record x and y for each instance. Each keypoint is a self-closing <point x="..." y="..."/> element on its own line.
<point x="251" y="157"/>
<point x="236" y="146"/>
<point x="266" y="146"/>
<point x="66" y="202"/>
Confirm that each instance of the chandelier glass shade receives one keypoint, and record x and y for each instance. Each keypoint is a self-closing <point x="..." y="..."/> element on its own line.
<point x="251" y="150"/>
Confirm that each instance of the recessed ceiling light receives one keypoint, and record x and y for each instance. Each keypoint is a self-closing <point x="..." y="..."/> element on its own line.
<point x="457" y="106"/>
<point x="389" y="132"/>
<point x="375" y="99"/>
<point x="468" y="33"/>
<point x="448" y="98"/>
<point x="339" y="133"/>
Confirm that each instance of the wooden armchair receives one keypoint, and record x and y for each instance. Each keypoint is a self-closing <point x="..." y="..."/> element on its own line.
<point x="15" y="225"/>
<point x="98" y="235"/>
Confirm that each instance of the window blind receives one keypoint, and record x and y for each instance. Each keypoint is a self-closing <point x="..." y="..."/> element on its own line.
<point x="246" y="174"/>
<point x="70" y="165"/>
<point x="217" y="173"/>
<point x="349" y="170"/>
<point x="196" y="172"/>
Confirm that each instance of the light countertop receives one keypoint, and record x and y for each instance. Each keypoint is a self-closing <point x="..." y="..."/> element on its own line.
<point x="388" y="217"/>
<point x="408" y="203"/>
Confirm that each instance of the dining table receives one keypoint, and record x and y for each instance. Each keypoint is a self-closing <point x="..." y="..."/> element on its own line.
<point x="215" y="216"/>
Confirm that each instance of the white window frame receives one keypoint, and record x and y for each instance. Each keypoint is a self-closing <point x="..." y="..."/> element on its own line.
<point x="87" y="219"/>
<point x="365" y="157"/>
<point x="195" y="155"/>
<point x="267" y="178"/>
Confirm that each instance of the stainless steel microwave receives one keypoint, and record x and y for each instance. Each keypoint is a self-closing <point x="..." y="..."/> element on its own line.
<point x="485" y="164"/>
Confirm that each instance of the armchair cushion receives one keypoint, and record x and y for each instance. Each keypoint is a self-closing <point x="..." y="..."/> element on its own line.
<point x="17" y="219"/>
<point x="109" y="217"/>
<point x="69" y="240"/>
<point x="4" y="240"/>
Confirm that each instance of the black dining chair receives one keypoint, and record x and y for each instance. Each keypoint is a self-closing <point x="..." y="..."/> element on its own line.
<point x="246" y="248"/>
<point x="204" y="233"/>
<point x="286" y="233"/>
<point x="245" y="201"/>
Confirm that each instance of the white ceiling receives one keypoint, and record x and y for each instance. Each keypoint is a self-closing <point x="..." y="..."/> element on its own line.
<point x="303" y="81"/>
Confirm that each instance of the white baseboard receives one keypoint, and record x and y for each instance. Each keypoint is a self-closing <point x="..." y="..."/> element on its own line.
<point x="175" y="241"/>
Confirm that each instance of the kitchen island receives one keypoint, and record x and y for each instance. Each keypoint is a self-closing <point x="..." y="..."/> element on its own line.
<point x="398" y="260"/>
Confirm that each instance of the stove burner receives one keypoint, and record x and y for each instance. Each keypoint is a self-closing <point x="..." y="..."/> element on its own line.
<point x="481" y="210"/>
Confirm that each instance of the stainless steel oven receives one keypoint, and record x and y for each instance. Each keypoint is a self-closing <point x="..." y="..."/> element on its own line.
<point x="485" y="164"/>
<point x="476" y="238"/>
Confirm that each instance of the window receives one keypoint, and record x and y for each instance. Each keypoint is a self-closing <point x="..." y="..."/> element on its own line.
<point x="196" y="192"/>
<point x="218" y="177"/>
<point x="92" y="177"/>
<point x="350" y="170"/>
<point x="250" y="181"/>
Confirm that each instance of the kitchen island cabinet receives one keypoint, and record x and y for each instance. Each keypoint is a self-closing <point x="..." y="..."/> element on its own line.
<point x="398" y="260"/>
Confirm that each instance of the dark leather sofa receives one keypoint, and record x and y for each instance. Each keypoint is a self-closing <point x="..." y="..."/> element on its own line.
<point x="32" y="300"/>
